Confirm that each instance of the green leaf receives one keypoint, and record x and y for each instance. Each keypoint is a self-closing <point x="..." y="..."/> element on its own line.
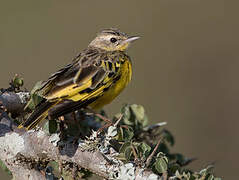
<point x="124" y="147"/>
<point x="145" y="149"/>
<point x="128" y="134"/>
<point x="126" y="115"/>
<point x="139" y="114"/>
<point x="162" y="155"/>
<point x="36" y="97"/>
<point x="120" y="134"/>
<point x="173" y="167"/>
<point x="168" y="137"/>
<point x="36" y="87"/>
<point x="126" y="150"/>
<point x="161" y="165"/>
<point x="138" y="111"/>
<point x="125" y="134"/>
<point x="17" y="81"/>
<point x="134" y="116"/>
<point x="163" y="148"/>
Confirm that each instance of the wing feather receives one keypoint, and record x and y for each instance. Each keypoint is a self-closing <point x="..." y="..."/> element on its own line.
<point x="80" y="78"/>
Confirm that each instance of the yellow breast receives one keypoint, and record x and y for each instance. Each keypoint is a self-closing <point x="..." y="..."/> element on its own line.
<point x="125" y="77"/>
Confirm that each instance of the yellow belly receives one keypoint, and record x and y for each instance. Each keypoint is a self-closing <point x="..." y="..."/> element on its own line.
<point x="116" y="89"/>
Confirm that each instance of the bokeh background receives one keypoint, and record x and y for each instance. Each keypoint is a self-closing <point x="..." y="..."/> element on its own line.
<point x="185" y="66"/>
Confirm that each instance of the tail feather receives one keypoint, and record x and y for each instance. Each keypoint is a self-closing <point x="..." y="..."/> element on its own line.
<point x="39" y="114"/>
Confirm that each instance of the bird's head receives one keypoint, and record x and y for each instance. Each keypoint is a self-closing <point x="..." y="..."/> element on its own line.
<point x="112" y="40"/>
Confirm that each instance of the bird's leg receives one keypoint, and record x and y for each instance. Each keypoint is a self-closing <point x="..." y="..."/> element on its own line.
<point x="61" y="125"/>
<point x="78" y="135"/>
<point x="73" y="114"/>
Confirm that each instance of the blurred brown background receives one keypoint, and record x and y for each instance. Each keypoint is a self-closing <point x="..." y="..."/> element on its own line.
<point x="185" y="66"/>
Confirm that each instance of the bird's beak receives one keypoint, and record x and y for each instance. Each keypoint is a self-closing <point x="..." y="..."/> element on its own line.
<point x="131" y="39"/>
<point x="125" y="44"/>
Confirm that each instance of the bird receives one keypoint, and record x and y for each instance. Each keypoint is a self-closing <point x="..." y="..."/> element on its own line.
<point x="94" y="78"/>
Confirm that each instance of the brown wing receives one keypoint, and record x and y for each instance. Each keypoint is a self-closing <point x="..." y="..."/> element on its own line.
<point x="89" y="65"/>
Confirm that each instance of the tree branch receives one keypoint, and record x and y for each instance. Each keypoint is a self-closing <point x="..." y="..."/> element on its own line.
<point x="24" y="152"/>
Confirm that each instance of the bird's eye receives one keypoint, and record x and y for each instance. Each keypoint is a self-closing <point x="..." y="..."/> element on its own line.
<point x="113" y="40"/>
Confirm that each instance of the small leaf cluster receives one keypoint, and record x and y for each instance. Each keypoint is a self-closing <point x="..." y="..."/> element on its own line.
<point x="17" y="82"/>
<point x="15" y="85"/>
<point x="138" y="144"/>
